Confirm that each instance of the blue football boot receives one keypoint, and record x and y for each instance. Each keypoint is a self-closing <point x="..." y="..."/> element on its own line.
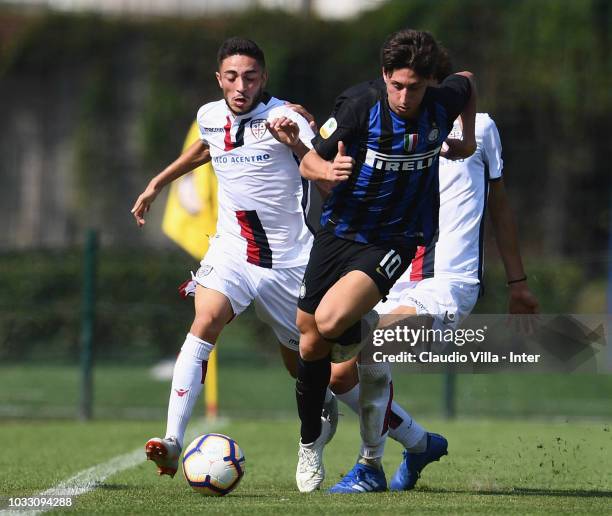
<point x="411" y="466"/>
<point x="361" y="479"/>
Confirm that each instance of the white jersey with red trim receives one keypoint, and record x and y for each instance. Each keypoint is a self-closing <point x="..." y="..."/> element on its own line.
<point x="261" y="211"/>
<point x="457" y="251"/>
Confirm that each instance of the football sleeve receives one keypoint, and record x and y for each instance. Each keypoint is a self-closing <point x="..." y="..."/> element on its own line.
<point x="453" y="94"/>
<point x="306" y="134"/>
<point x="492" y="150"/>
<point x="200" y="120"/>
<point x="343" y="125"/>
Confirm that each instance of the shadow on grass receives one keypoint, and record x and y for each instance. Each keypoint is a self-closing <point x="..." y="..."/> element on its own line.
<point x="236" y="496"/>
<point x="118" y="487"/>
<point x="523" y="491"/>
<point x="130" y="487"/>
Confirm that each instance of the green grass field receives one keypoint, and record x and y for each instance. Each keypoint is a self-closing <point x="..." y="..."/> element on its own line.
<point x="493" y="467"/>
<point x="522" y="443"/>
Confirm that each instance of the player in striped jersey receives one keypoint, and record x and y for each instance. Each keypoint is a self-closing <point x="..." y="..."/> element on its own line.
<point x="384" y="138"/>
<point x="442" y="286"/>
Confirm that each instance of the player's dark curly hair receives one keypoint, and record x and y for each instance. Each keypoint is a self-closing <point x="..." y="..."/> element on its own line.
<point x="408" y="48"/>
<point x="243" y="47"/>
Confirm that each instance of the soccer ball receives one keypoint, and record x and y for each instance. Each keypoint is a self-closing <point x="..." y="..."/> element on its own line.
<point x="213" y="464"/>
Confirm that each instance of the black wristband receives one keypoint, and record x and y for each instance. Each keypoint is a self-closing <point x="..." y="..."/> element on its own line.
<point x="524" y="278"/>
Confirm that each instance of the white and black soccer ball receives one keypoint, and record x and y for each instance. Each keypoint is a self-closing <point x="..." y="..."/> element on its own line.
<point x="213" y="464"/>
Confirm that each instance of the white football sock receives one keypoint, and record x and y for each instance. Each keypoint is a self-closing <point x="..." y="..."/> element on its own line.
<point x="408" y="433"/>
<point x="187" y="381"/>
<point x="351" y="398"/>
<point x="376" y="393"/>
<point x="405" y="430"/>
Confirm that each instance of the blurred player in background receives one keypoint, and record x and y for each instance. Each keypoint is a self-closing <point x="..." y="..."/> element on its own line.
<point x="442" y="286"/>
<point x="262" y="243"/>
<point x="384" y="138"/>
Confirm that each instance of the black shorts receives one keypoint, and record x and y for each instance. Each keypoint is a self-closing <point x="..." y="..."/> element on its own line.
<point x="332" y="257"/>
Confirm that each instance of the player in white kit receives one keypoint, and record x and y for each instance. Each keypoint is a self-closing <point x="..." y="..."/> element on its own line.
<point x="262" y="243"/>
<point x="445" y="279"/>
<point x="443" y="283"/>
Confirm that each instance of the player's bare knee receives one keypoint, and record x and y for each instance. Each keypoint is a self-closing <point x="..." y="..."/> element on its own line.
<point x="207" y="326"/>
<point x="312" y="347"/>
<point x="308" y="349"/>
<point x="330" y="324"/>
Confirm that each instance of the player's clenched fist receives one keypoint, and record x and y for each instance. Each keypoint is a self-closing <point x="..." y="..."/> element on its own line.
<point x="455" y="149"/>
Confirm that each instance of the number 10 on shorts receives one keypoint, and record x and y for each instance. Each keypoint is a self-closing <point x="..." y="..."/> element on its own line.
<point x="390" y="263"/>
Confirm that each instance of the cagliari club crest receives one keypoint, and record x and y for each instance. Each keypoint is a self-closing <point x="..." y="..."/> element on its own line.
<point x="258" y="128"/>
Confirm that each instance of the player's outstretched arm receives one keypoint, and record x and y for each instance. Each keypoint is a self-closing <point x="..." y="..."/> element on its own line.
<point x="521" y="299"/>
<point x="315" y="168"/>
<point x="195" y="156"/>
<point x="465" y="147"/>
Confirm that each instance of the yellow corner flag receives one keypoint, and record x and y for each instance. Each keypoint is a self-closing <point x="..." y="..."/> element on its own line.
<point x="191" y="211"/>
<point x="190" y="219"/>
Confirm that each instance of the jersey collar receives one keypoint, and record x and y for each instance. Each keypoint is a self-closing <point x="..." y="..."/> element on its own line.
<point x="261" y="106"/>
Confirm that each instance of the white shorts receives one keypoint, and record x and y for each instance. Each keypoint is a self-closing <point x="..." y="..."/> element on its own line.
<point x="274" y="291"/>
<point x="448" y="301"/>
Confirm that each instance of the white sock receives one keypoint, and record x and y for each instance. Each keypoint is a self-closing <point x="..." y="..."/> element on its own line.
<point x="376" y="393"/>
<point x="187" y="381"/>
<point x="351" y="399"/>
<point x="408" y="433"/>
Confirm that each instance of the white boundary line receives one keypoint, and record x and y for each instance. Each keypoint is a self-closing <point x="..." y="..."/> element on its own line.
<point x="91" y="478"/>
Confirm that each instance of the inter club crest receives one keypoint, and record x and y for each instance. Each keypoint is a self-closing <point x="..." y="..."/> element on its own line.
<point x="433" y="135"/>
<point x="258" y="128"/>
